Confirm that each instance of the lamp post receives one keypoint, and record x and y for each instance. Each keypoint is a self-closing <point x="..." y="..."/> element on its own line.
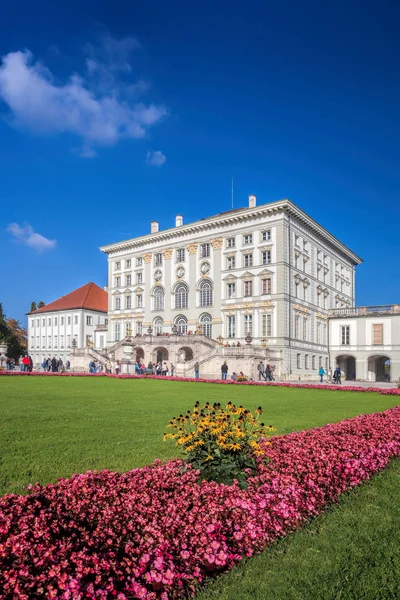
<point x="150" y="330"/>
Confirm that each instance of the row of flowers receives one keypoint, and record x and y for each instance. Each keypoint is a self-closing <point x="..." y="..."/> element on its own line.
<point x="156" y="532"/>
<point x="327" y="386"/>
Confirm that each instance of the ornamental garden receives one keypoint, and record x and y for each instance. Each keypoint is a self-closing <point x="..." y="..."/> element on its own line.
<point x="126" y="487"/>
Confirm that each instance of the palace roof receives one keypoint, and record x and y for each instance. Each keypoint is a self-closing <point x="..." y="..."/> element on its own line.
<point x="89" y="296"/>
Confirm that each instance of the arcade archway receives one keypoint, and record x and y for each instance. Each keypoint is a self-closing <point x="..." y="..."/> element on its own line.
<point x="347" y="364"/>
<point x="379" y="368"/>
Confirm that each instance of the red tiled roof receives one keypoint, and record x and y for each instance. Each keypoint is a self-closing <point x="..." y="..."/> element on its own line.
<point x="89" y="296"/>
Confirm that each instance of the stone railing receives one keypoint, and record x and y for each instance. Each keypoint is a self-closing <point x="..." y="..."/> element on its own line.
<point x="365" y="311"/>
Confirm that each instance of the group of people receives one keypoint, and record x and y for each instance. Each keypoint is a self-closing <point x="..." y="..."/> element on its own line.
<point x="335" y="378"/>
<point x="266" y="372"/>
<point x="96" y="367"/>
<point x="55" y="365"/>
<point x="159" y="368"/>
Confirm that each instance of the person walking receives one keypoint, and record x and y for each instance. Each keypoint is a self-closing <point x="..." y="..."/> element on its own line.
<point x="164" y="371"/>
<point x="196" y="370"/>
<point x="21" y="365"/>
<point x="337" y="375"/>
<point x="261" y="370"/>
<point x="330" y="375"/>
<point x="172" y="369"/>
<point x="321" y="374"/>
<point x="53" y="364"/>
<point x="25" y="361"/>
<point x="117" y="367"/>
<point x="224" y="371"/>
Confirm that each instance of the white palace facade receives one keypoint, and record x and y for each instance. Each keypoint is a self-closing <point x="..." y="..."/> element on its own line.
<point x="262" y="276"/>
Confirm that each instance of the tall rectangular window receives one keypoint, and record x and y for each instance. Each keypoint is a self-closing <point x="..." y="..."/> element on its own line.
<point x="139" y="327"/>
<point x="305" y="329"/>
<point x="117" y="336"/>
<point x="248" y="288"/>
<point x="128" y="264"/>
<point x="89" y="320"/>
<point x="248" y="260"/>
<point x="139" y="277"/>
<point x="139" y="261"/>
<point x="128" y="329"/>
<point x="299" y="361"/>
<point x="248" y="324"/>
<point x="313" y="363"/>
<point x="306" y="361"/>
<point x="117" y="281"/>
<point x="49" y="321"/>
<point x="158" y="259"/>
<point x="345" y="335"/>
<point x="117" y="265"/>
<point x="61" y="320"/>
<point x="204" y="250"/>
<point x="129" y="280"/>
<point x="297" y="327"/>
<point x="231" y="326"/>
<point x="55" y="321"/>
<point x="266" y="257"/>
<point x="231" y="290"/>
<point x="68" y="320"/>
<point x="318" y="332"/>
<point x="117" y="303"/>
<point x="230" y="262"/>
<point x="139" y="301"/>
<point x="248" y="239"/>
<point x="266" y="235"/>
<point x="180" y="255"/>
<point x="128" y="301"/>
<point x="377" y="331"/>
<point x="266" y="326"/>
<point x="266" y="285"/>
<point x="230" y="242"/>
<point x="37" y="322"/>
<point x="76" y="319"/>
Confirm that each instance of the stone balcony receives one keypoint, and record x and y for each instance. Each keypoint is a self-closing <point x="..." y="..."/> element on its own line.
<point x="365" y="311"/>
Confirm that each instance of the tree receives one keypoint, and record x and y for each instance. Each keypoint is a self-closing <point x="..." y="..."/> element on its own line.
<point x="41" y="304"/>
<point x="33" y="306"/>
<point x="14" y="335"/>
<point x="3" y="326"/>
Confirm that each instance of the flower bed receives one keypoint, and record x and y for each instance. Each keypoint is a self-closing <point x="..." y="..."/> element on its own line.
<point x="155" y="532"/>
<point x="312" y="386"/>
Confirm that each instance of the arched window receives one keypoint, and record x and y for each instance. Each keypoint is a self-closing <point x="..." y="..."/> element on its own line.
<point x="158" y="326"/>
<point x="181" y="296"/>
<point x="206" y="293"/>
<point x="159" y="298"/>
<point x="181" y="323"/>
<point x="206" y="326"/>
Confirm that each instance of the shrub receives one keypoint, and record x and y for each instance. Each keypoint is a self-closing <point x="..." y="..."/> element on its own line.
<point x="242" y="378"/>
<point x="221" y="443"/>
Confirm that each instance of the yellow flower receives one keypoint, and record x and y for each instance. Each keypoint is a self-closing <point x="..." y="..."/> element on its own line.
<point x="234" y="446"/>
<point x="209" y="457"/>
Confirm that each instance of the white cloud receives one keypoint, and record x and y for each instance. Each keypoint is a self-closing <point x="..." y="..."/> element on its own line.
<point x="98" y="111"/>
<point x="156" y="158"/>
<point x="25" y="235"/>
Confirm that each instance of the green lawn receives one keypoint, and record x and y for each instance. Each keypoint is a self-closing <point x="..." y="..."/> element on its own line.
<point x="53" y="427"/>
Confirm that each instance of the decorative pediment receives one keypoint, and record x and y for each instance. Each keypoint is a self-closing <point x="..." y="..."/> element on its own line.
<point x="246" y="276"/>
<point x="230" y="278"/>
<point x="265" y="273"/>
<point x="127" y="291"/>
<point x="117" y="293"/>
<point x="265" y="247"/>
<point x="139" y="290"/>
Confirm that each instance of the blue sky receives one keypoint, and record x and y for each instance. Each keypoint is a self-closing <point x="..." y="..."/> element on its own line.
<point x="116" y="114"/>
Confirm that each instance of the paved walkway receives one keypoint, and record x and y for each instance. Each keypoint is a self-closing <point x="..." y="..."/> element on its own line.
<point x="375" y="384"/>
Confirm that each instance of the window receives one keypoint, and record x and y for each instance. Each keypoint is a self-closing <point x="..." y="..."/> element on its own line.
<point x="266" y="326"/>
<point x="117" y="281"/>
<point x="128" y="264"/>
<point x="230" y="262"/>
<point x="377" y="331"/>
<point x="206" y="293"/>
<point x="105" y="321"/>
<point x="55" y="342"/>
<point x="305" y="329"/>
<point x="231" y="290"/>
<point x="248" y="260"/>
<point x="313" y="363"/>
<point x="248" y="324"/>
<point x="204" y="250"/>
<point x="89" y="320"/>
<point x="76" y="319"/>
<point x="68" y="320"/>
<point x="117" y="303"/>
<point x="181" y="323"/>
<point x="117" y="266"/>
<point x="128" y="279"/>
<point x="68" y="341"/>
<point x="231" y="326"/>
<point x="230" y="242"/>
<point x="37" y="322"/>
<point x="128" y="329"/>
<point x="180" y="255"/>
<point x="158" y="326"/>
<point x="158" y="299"/>
<point x="299" y="361"/>
<point x="139" y="301"/>
<point x="43" y="322"/>
<point x="266" y="257"/>
<point x="158" y="259"/>
<point x="297" y="327"/>
<point x="306" y="361"/>
<point x="318" y="332"/>
<point x="43" y="342"/>
<point x="49" y="321"/>
<point x="139" y="261"/>
<point x="325" y="334"/>
<point x="117" y="332"/>
<point x="55" y="321"/>
<point x="61" y="341"/>
<point x="139" y="277"/>
<point x="248" y="239"/>
<point x="128" y="301"/>
<point x="266" y="285"/>
<point x="248" y="288"/>
<point x="345" y="335"/>
<point x="266" y="235"/>
<point x="181" y="296"/>
<point x="32" y="341"/>
<point x="206" y="325"/>
<point x="139" y="327"/>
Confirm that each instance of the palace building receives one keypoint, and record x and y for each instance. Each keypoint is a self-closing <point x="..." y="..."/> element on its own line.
<point x="268" y="273"/>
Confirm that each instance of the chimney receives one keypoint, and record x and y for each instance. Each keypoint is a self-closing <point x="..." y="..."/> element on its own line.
<point x="154" y="226"/>
<point x="252" y="201"/>
<point x="178" y="220"/>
